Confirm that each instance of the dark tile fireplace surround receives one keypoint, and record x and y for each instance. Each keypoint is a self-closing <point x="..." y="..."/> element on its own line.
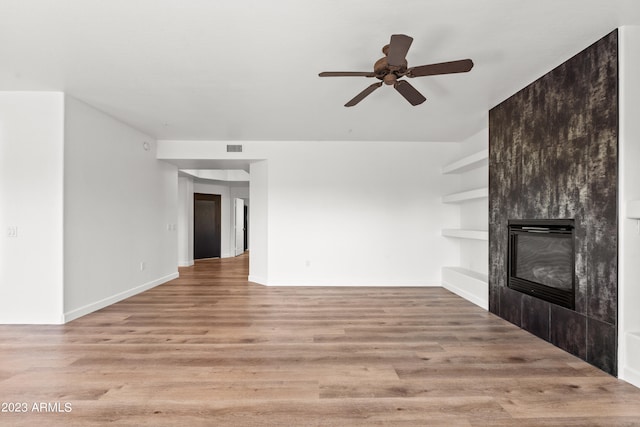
<point x="553" y="151"/>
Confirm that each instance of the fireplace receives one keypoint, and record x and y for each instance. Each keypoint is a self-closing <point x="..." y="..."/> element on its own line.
<point x="541" y="260"/>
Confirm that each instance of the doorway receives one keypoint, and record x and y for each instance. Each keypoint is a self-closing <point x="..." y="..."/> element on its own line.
<point x="246" y="227"/>
<point x="207" y="213"/>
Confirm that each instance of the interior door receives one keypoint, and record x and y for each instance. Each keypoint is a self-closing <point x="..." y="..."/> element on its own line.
<point x="206" y="226"/>
<point x="239" y="225"/>
<point x="246" y="227"/>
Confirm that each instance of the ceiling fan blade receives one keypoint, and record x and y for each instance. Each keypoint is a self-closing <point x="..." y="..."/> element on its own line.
<point x="362" y="95"/>
<point x="409" y="92"/>
<point x="347" y="74"/>
<point x="398" y="48"/>
<point x="461" y="66"/>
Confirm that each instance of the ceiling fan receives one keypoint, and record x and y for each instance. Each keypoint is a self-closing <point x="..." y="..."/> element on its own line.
<point x="393" y="66"/>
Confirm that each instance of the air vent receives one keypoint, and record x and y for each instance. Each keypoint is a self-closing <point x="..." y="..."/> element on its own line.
<point x="234" y="148"/>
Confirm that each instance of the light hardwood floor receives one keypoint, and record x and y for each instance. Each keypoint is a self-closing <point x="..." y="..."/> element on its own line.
<point x="212" y="349"/>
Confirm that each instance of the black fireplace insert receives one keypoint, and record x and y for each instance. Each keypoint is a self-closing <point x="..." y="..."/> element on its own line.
<point x="542" y="259"/>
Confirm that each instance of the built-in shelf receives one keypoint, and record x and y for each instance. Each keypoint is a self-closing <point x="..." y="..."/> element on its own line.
<point x="633" y="209"/>
<point x="470" y="285"/>
<point x="464" y="196"/>
<point x="473" y="161"/>
<point x="466" y="234"/>
<point x="475" y="275"/>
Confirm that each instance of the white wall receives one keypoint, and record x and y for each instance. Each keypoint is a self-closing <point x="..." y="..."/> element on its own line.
<point x="120" y="212"/>
<point x="629" y="181"/>
<point x="31" y="188"/>
<point x="342" y="213"/>
<point x="259" y="222"/>
<point x="185" y="221"/>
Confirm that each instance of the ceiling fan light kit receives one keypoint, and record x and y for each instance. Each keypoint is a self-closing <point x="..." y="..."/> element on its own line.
<point x="393" y="66"/>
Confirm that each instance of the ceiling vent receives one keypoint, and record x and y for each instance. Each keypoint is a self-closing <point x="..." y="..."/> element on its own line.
<point x="234" y="148"/>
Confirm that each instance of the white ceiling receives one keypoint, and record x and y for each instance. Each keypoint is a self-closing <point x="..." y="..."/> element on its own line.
<point x="248" y="70"/>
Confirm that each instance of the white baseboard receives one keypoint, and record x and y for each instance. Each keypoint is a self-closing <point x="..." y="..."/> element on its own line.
<point x="631" y="376"/>
<point x="186" y="263"/>
<point x="90" y="308"/>
<point x="631" y="372"/>
<point x="351" y="285"/>
<point x="258" y="280"/>
<point x="32" y="320"/>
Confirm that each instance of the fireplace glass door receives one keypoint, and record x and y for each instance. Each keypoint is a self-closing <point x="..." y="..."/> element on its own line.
<point x="541" y="259"/>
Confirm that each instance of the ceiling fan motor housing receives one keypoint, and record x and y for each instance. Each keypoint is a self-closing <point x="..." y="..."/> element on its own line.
<point x="388" y="73"/>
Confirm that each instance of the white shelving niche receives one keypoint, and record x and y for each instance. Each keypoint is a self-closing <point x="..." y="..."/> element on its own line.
<point x="469" y="278"/>
<point x="470" y="162"/>
<point x="465" y="196"/>
<point x="466" y="234"/>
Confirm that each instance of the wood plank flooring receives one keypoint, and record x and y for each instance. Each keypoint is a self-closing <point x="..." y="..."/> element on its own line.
<point x="212" y="349"/>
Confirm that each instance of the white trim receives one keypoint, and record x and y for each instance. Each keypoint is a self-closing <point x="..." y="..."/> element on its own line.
<point x="186" y="263"/>
<point x="631" y="376"/>
<point x="258" y="280"/>
<point x="433" y="284"/>
<point x="90" y="308"/>
<point x="33" y="320"/>
<point x="631" y="353"/>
